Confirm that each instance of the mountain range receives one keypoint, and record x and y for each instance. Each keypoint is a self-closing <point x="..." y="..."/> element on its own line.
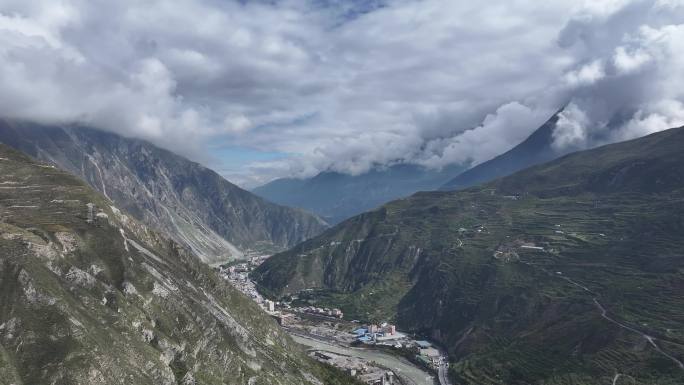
<point x="568" y="272"/>
<point x="89" y="295"/>
<point x="336" y="196"/>
<point x="195" y="206"/>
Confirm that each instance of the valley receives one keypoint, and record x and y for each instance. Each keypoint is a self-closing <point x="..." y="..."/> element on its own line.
<point x="92" y="296"/>
<point x="342" y="192"/>
<point x="332" y="340"/>
<point x="565" y="271"/>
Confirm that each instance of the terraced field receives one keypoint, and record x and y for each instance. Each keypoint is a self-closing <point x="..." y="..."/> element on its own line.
<point x="566" y="273"/>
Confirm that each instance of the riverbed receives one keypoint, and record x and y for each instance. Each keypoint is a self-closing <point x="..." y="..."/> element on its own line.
<point x="397" y="364"/>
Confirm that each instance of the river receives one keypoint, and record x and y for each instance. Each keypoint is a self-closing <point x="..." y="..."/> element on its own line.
<point x="399" y="365"/>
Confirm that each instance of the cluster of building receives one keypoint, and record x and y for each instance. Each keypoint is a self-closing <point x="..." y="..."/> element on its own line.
<point x="363" y="371"/>
<point x="279" y="311"/>
<point x="238" y="276"/>
<point x="324" y="311"/>
<point x="427" y="354"/>
<point x="387" y="334"/>
<point x="245" y="266"/>
<point x="373" y="333"/>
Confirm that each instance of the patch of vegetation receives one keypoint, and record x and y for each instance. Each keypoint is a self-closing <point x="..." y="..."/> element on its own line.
<point x="88" y="294"/>
<point x="514" y="276"/>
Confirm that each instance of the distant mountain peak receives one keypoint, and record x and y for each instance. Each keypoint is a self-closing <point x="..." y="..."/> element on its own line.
<point x="337" y="196"/>
<point x="536" y="148"/>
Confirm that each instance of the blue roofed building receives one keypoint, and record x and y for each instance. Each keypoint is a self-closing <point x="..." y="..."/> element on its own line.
<point x="365" y="339"/>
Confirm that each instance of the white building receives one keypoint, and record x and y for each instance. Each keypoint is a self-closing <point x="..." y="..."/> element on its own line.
<point x="270" y="305"/>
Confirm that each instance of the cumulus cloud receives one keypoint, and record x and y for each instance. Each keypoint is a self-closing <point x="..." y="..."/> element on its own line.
<point x="508" y="125"/>
<point x="640" y="89"/>
<point x="626" y="62"/>
<point x="345" y="85"/>
<point x="587" y="74"/>
<point x="572" y="129"/>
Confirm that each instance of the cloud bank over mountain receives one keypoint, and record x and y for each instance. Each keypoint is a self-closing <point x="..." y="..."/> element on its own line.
<point x="345" y="85"/>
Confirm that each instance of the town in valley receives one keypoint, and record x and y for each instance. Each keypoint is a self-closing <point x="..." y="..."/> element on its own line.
<point x="329" y="326"/>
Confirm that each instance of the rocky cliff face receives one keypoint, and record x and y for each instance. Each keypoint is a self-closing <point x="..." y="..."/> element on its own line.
<point x="565" y="273"/>
<point x="89" y="295"/>
<point x="195" y="206"/>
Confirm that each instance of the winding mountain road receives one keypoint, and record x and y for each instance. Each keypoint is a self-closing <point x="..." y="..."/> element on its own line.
<point x="617" y="377"/>
<point x="650" y="339"/>
<point x="604" y="313"/>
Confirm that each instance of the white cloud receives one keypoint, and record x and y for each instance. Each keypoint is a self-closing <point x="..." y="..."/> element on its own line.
<point x="657" y="117"/>
<point x="343" y="85"/>
<point x="587" y="74"/>
<point x="572" y="128"/>
<point x="627" y="62"/>
<point x="499" y="131"/>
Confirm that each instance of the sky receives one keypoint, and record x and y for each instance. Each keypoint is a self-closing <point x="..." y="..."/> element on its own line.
<point x="264" y="89"/>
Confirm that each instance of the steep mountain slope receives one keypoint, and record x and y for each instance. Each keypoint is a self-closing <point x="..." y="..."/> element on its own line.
<point x="569" y="272"/>
<point x="336" y="197"/>
<point x="534" y="150"/>
<point x="90" y="296"/>
<point x="191" y="203"/>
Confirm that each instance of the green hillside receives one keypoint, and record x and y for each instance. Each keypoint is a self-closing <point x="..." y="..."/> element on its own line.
<point x="569" y="272"/>
<point x="90" y="296"/>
